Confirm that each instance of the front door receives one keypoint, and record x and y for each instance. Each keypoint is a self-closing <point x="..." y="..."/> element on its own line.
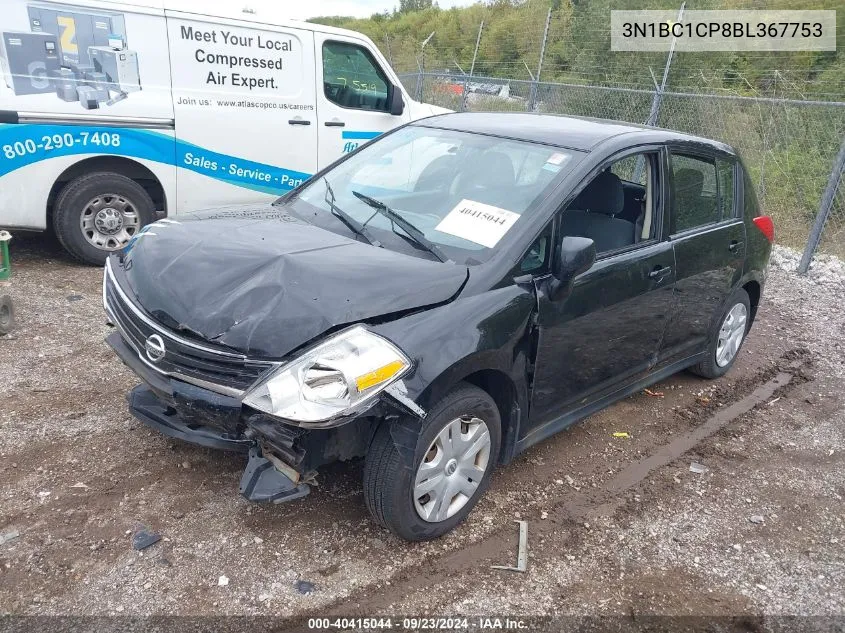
<point x="352" y="97"/>
<point x="608" y="331"/>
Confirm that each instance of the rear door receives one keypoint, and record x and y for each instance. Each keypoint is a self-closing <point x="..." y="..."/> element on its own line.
<point x="708" y="236"/>
<point x="245" y="110"/>
<point x="352" y="96"/>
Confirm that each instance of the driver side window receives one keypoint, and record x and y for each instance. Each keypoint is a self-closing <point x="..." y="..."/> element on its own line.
<point x="617" y="209"/>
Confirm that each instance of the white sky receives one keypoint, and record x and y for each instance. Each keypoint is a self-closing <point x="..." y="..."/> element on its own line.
<point x="303" y="9"/>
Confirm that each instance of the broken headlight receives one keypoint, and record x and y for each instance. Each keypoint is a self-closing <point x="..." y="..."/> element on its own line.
<point x="347" y="370"/>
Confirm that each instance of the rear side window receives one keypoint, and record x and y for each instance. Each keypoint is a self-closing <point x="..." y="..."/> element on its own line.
<point x="727" y="196"/>
<point x="695" y="200"/>
<point x="751" y="207"/>
<point x="352" y="78"/>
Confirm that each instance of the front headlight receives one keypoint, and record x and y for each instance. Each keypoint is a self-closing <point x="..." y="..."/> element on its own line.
<point x="347" y="370"/>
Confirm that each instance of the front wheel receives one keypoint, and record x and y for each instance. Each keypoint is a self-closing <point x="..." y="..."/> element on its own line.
<point x="454" y="457"/>
<point x="727" y="339"/>
<point x="97" y="214"/>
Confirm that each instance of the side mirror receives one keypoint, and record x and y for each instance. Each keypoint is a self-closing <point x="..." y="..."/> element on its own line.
<point x="577" y="255"/>
<point x="395" y="101"/>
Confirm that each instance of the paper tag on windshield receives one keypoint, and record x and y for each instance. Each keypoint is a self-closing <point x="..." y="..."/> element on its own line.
<point x="478" y="222"/>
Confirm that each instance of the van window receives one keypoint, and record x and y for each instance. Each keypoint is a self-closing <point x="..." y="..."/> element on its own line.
<point x="352" y="78"/>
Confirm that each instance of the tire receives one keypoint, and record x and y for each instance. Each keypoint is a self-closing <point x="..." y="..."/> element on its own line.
<point x="389" y="479"/>
<point x="87" y="198"/>
<point x="713" y="366"/>
<point x="7" y="314"/>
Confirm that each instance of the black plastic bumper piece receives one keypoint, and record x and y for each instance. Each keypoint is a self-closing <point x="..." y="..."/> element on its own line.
<point x="145" y="406"/>
<point x="262" y="482"/>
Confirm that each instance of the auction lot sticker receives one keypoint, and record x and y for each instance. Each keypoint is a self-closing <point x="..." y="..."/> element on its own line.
<point x="478" y="222"/>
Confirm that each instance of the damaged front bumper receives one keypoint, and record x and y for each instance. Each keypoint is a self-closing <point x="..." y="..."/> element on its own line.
<point x="262" y="481"/>
<point x="280" y="456"/>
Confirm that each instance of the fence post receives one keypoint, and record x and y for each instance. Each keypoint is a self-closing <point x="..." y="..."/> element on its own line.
<point x="824" y="210"/>
<point x="465" y="95"/>
<point x="532" y="99"/>
<point x="654" y="113"/>
<point x="418" y="91"/>
<point x="658" y="94"/>
<point x="421" y="66"/>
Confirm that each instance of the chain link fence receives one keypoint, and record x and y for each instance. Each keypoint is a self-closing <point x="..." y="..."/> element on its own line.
<point x="794" y="149"/>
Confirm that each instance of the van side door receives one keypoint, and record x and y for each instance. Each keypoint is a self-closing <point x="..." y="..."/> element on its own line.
<point x="353" y="90"/>
<point x="245" y="111"/>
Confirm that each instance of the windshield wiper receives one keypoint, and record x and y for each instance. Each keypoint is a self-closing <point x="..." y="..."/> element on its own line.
<point x="354" y="225"/>
<point x="415" y="234"/>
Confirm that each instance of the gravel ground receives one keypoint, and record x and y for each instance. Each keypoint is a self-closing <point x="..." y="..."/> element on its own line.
<point x="79" y="477"/>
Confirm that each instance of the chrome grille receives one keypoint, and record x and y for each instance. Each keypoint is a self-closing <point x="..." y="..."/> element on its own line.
<point x="219" y="370"/>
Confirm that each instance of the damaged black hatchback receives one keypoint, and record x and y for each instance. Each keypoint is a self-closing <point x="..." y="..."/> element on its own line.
<point x="438" y="301"/>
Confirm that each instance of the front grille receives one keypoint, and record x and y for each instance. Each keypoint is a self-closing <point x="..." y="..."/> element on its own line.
<point x="200" y="364"/>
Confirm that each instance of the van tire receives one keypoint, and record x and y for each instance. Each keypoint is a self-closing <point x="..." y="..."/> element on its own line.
<point x="99" y="190"/>
<point x="389" y="475"/>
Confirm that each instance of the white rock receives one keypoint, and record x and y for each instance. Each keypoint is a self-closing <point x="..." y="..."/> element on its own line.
<point x="223" y="581"/>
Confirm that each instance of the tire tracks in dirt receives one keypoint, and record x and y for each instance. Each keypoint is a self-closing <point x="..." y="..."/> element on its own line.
<point x="603" y="500"/>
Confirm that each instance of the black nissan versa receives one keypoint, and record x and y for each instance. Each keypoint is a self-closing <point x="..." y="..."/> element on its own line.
<point x="440" y="300"/>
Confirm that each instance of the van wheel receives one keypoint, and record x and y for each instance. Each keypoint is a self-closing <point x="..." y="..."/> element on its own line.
<point x="97" y="214"/>
<point x="727" y="337"/>
<point x="454" y="457"/>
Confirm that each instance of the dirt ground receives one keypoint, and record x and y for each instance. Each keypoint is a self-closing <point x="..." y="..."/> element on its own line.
<point x="617" y="526"/>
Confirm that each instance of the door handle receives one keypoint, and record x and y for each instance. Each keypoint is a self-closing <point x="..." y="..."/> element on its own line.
<point x="660" y="271"/>
<point x="334" y="124"/>
<point x="735" y="246"/>
<point x="299" y="122"/>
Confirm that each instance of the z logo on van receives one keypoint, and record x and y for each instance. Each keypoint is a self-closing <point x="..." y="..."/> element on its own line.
<point x="22" y="145"/>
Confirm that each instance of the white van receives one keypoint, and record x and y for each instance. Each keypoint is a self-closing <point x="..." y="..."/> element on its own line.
<point x="115" y="113"/>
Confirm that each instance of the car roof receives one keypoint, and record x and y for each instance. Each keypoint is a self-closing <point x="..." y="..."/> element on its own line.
<point x="580" y="133"/>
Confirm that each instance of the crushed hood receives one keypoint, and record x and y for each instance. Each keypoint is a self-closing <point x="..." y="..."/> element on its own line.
<point x="262" y="282"/>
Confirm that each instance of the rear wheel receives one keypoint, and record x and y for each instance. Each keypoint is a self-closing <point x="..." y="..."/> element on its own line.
<point x="727" y="338"/>
<point x="97" y="214"/>
<point x="454" y="457"/>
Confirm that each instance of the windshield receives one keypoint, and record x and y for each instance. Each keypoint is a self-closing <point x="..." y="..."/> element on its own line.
<point x="457" y="194"/>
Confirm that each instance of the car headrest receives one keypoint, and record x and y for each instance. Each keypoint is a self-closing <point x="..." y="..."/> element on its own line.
<point x="689" y="183"/>
<point x="603" y="195"/>
<point x="492" y="169"/>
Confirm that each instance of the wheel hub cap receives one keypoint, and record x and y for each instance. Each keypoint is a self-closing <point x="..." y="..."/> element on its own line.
<point x="452" y="469"/>
<point x="731" y="334"/>
<point x="109" y="221"/>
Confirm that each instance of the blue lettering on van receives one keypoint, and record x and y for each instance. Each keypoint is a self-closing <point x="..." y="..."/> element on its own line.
<point x="22" y="145"/>
<point x="349" y="147"/>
